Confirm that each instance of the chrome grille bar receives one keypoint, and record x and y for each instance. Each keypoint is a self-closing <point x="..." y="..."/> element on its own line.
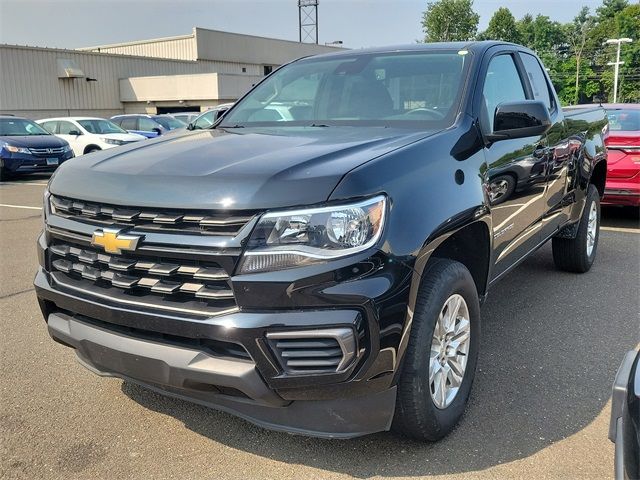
<point x="148" y="219"/>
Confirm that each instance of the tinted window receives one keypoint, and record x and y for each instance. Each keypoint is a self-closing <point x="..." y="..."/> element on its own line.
<point x="170" y="123"/>
<point x="536" y="79"/>
<point x="64" y="128"/>
<point x="100" y="126"/>
<point x="146" y="124"/>
<point x="50" y="126"/>
<point x="403" y="88"/>
<point x="129" y="123"/>
<point x="205" y="120"/>
<point x="20" y="126"/>
<point x="502" y="84"/>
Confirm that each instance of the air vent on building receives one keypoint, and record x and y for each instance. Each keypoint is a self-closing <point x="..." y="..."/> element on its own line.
<point x="69" y="69"/>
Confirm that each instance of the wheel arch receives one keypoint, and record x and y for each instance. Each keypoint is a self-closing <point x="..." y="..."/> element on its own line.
<point x="90" y="147"/>
<point x="599" y="176"/>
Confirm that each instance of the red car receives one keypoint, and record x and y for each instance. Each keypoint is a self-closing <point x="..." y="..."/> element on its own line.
<point x="623" y="163"/>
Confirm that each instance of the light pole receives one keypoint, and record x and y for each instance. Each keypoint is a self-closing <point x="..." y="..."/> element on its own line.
<point x="617" y="63"/>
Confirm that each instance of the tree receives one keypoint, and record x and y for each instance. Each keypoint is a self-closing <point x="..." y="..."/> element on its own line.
<point x="450" y="20"/>
<point x="610" y="8"/>
<point x="577" y="33"/>
<point x="502" y="26"/>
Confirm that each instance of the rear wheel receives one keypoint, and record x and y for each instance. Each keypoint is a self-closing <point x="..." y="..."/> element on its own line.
<point x="578" y="254"/>
<point x="440" y="361"/>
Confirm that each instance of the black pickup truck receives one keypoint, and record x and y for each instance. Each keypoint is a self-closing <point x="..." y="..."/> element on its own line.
<point x="315" y="262"/>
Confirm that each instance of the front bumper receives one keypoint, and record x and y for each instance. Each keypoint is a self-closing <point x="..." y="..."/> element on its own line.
<point x="18" y="163"/>
<point x="108" y="340"/>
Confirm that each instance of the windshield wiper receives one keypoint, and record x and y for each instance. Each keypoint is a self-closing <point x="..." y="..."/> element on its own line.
<point x="229" y="126"/>
<point x="322" y="125"/>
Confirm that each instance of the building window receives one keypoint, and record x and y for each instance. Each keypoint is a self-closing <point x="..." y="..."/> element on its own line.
<point x="244" y="69"/>
<point x="267" y="69"/>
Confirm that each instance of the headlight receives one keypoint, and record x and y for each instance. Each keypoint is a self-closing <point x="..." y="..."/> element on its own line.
<point x="66" y="148"/>
<point x="112" y="141"/>
<point x="12" y="149"/>
<point x="296" y="238"/>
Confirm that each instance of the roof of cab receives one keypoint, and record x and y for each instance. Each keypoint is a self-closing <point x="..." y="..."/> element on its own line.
<point x="473" y="46"/>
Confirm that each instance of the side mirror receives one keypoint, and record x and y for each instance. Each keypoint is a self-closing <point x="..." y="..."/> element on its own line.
<point x="526" y="118"/>
<point x="77" y="133"/>
<point x="191" y="126"/>
<point x="157" y="130"/>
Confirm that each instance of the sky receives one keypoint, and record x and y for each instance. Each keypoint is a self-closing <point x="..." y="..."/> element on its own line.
<point x="357" y="23"/>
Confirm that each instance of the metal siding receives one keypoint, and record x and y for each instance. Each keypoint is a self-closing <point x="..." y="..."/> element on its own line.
<point x="30" y="83"/>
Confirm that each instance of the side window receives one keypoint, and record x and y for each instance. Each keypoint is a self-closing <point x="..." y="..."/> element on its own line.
<point x="129" y="123"/>
<point x="65" y="127"/>
<point x="537" y="79"/>
<point x="205" y="121"/>
<point x="50" y="126"/>
<point x="502" y="84"/>
<point x="146" y="124"/>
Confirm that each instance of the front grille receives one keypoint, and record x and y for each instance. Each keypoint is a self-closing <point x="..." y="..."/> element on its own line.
<point x="47" y="151"/>
<point x="176" y="284"/>
<point x="145" y="219"/>
<point x="313" y="351"/>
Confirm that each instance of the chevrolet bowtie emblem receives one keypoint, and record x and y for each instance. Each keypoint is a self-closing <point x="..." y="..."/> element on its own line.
<point x="113" y="241"/>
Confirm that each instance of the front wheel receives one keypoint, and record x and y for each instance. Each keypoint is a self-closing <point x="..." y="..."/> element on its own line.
<point x="441" y="356"/>
<point x="578" y="254"/>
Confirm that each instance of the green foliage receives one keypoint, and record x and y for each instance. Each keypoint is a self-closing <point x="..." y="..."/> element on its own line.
<point x="450" y="20"/>
<point x="502" y="26"/>
<point x="575" y="54"/>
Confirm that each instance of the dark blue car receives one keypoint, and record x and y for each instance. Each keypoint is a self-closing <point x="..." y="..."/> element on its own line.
<point x="26" y="147"/>
<point x="149" y="126"/>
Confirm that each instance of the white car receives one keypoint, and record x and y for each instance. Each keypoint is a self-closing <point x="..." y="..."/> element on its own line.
<point x="88" y="134"/>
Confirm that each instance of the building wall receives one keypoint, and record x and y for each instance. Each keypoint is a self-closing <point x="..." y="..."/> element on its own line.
<point x="30" y="87"/>
<point x="205" y="44"/>
<point x="213" y="44"/>
<point x="178" y="48"/>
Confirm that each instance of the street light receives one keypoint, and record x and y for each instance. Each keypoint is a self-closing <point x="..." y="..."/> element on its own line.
<point x="617" y="63"/>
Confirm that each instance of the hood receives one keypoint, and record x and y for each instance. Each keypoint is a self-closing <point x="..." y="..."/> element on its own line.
<point x="213" y="169"/>
<point x="34" y="141"/>
<point x="125" y="137"/>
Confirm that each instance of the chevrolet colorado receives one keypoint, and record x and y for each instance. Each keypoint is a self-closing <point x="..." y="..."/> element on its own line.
<point x="315" y="261"/>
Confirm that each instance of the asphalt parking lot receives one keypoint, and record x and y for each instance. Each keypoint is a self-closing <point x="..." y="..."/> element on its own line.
<point x="551" y="345"/>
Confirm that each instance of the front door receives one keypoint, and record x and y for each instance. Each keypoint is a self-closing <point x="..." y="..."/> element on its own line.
<point x="516" y="177"/>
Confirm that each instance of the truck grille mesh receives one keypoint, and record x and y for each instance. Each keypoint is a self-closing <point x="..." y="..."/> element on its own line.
<point x="144" y="219"/>
<point x="159" y="283"/>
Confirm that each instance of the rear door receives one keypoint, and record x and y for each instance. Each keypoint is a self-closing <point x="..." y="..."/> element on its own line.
<point x="516" y="176"/>
<point x="561" y="152"/>
<point x="70" y="132"/>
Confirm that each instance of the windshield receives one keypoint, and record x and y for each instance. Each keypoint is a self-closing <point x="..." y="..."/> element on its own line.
<point x="170" y="123"/>
<point x="100" y="126"/>
<point x="390" y="89"/>
<point x="13" y="127"/>
<point x="624" y="119"/>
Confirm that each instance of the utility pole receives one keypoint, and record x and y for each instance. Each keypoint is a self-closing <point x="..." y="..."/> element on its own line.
<point x="617" y="63"/>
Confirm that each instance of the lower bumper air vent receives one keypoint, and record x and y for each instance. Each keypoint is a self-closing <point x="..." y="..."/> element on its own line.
<point x="328" y="350"/>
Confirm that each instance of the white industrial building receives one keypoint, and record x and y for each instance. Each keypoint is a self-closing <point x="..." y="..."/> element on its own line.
<point x="189" y="72"/>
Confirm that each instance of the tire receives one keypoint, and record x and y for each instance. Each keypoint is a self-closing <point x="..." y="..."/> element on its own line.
<point x="501" y="188"/>
<point x="4" y="174"/>
<point x="575" y="254"/>
<point x="92" y="149"/>
<point x="417" y="414"/>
